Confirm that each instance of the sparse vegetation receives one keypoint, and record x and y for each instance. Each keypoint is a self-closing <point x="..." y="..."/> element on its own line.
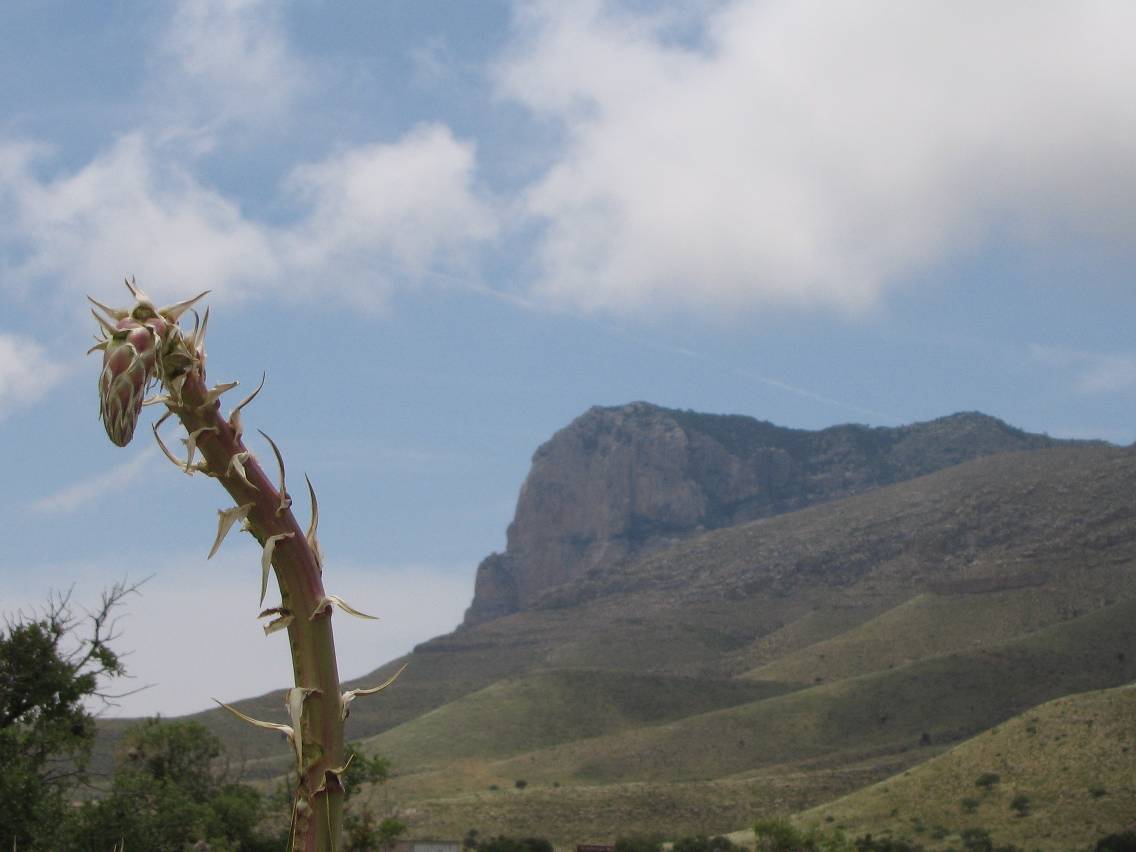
<point x="987" y="780"/>
<point x="1020" y="804"/>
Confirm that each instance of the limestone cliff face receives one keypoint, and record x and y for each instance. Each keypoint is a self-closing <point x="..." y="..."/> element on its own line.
<point x="619" y="482"/>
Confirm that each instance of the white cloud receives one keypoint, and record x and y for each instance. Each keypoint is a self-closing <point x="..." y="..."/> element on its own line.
<point x="811" y="153"/>
<point x="86" y="491"/>
<point x="26" y="372"/>
<point x="1094" y="372"/>
<point x="128" y="213"/>
<point x="368" y="217"/>
<point x="224" y="62"/>
<point x="387" y="212"/>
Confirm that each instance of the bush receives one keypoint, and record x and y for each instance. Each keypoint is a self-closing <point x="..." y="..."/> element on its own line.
<point x="884" y="844"/>
<point x="987" y="780"/>
<point x="976" y="839"/>
<point x="1021" y="804"/>
<point x="520" y="783"/>
<point x="1123" y="842"/>
<point x="639" y="843"/>
<point x="702" y="843"/>
<point x="501" y="843"/>
<point x="969" y="805"/>
<point x="779" y="835"/>
<point x="167" y="793"/>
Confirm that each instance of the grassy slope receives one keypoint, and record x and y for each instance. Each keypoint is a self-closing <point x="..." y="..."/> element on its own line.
<point x="946" y="697"/>
<point x="799" y="748"/>
<point x="524" y="714"/>
<point x="924" y="626"/>
<point x="1074" y="758"/>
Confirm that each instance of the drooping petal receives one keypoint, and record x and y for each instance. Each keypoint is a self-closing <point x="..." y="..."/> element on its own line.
<point x="350" y="695"/>
<point x="266" y="560"/>
<point x="285" y="497"/>
<point x="313" y="542"/>
<point x="294" y="700"/>
<point x="235" y="415"/>
<point x="283" y="618"/>
<point x="225" y="520"/>
<point x="191" y="443"/>
<point x="326" y="603"/>
<point x="237" y="466"/>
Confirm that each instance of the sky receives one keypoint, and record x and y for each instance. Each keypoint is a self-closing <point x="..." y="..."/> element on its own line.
<point x="444" y="230"/>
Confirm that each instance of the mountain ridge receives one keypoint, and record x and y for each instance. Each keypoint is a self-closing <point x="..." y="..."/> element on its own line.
<point x="623" y="481"/>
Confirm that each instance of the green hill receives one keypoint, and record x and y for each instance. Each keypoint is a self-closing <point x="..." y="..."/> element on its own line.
<point x="1070" y="764"/>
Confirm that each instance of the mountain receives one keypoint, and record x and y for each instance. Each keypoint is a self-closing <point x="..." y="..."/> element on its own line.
<point x="620" y="482"/>
<point x="751" y="643"/>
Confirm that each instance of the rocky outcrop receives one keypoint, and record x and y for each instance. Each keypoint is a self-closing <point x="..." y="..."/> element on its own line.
<point x="620" y="482"/>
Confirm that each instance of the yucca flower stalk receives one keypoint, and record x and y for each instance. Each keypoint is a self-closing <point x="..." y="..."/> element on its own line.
<point x="143" y="346"/>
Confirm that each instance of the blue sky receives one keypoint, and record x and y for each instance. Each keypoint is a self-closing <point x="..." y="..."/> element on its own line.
<point x="446" y="229"/>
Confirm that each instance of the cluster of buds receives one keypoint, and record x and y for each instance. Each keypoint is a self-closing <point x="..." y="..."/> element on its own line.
<point x="144" y="346"/>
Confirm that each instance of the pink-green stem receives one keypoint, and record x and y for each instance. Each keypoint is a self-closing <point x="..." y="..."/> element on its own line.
<point x="318" y="806"/>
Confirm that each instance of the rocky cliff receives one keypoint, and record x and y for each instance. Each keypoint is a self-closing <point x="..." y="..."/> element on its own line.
<point x="620" y="482"/>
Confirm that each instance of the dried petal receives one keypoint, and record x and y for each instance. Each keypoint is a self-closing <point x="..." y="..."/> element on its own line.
<point x="237" y="466"/>
<point x="191" y="443"/>
<point x="313" y="542"/>
<point x="266" y="561"/>
<point x="294" y="700"/>
<point x="350" y="695"/>
<point x="284" y="617"/>
<point x="325" y="605"/>
<point x="214" y="393"/>
<point x="225" y="520"/>
<point x="174" y="312"/>
<point x="285" y="498"/>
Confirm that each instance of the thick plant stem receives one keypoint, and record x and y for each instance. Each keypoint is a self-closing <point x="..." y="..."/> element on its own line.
<point x="143" y="344"/>
<point x="319" y="796"/>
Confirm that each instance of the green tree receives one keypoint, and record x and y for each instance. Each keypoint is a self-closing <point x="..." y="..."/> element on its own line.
<point x="702" y="843"/>
<point x="779" y="835"/>
<point x="170" y="791"/>
<point x="363" y="829"/>
<point x="501" y="843"/>
<point x="51" y="665"/>
<point x="639" y="843"/>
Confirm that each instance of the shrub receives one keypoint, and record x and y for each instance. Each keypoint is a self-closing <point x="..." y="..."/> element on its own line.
<point x="969" y="805"/>
<point x="987" y="780"/>
<point x="1021" y="804"/>
<point x="639" y="843"/>
<point x="976" y="840"/>
<point x="1123" y="842"/>
<point x="701" y="843"/>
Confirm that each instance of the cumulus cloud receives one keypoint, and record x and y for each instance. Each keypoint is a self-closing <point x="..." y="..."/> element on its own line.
<point x="366" y="218"/>
<point x="808" y="153"/>
<point x="26" y="372"/>
<point x="128" y="212"/>
<point x="393" y="209"/>
<point x="225" y="62"/>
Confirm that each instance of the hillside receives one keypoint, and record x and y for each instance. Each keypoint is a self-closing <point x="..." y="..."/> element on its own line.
<point x="768" y="665"/>
<point x="1071" y="759"/>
